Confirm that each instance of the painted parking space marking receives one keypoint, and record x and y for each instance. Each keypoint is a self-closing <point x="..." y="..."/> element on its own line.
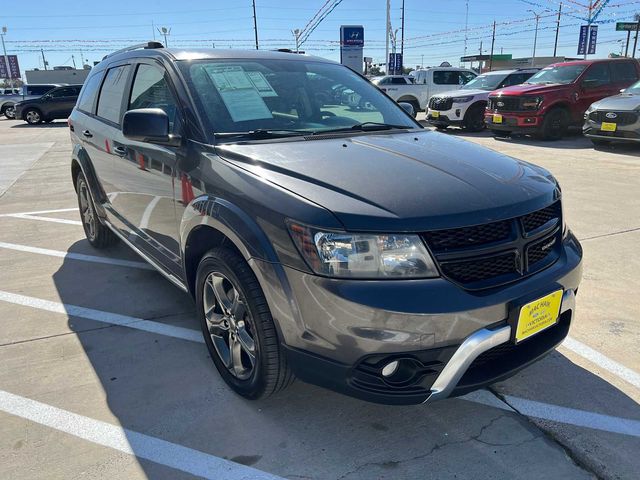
<point x="102" y="316"/>
<point x="40" y="212"/>
<point x="128" y="441"/>
<point x="43" y="219"/>
<point x="76" y="256"/>
<point x="603" y="361"/>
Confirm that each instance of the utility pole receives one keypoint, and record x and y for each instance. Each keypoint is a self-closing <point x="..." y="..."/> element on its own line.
<point x="387" y="37"/>
<point x="466" y="26"/>
<point x="6" y="57"/>
<point x="480" y="59"/>
<point x="555" y="46"/>
<point x="493" y="42"/>
<point x="73" y="60"/>
<point x="535" y="38"/>
<point x="255" y="24"/>
<point x="402" y="37"/>
<point x="626" y="49"/>
<point x="44" y="60"/>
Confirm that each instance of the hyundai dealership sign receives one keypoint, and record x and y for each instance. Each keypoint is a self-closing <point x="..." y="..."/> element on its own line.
<point x="352" y="46"/>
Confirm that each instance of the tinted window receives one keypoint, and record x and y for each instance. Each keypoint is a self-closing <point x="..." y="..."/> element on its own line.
<point x="517" y="79"/>
<point x="151" y="90"/>
<point x="598" y="74"/>
<point x="398" y="81"/>
<point x="64" y="92"/>
<point x="38" y="89"/>
<point x="623" y="72"/>
<point x="89" y="93"/>
<point x="447" y="77"/>
<point x="110" y="99"/>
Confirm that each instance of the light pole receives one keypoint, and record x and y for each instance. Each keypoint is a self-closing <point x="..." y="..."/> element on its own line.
<point x="535" y="38"/>
<point x="6" y="57"/>
<point x="296" y="34"/>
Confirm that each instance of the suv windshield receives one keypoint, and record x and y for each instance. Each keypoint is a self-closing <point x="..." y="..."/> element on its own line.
<point x="563" y="74"/>
<point x="633" y="89"/>
<point x="484" y="82"/>
<point x="288" y="97"/>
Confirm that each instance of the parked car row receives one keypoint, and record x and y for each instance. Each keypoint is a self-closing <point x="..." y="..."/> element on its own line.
<point x="40" y="103"/>
<point x="592" y="94"/>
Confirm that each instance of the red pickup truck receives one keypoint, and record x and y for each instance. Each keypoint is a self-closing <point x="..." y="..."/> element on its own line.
<point x="557" y="97"/>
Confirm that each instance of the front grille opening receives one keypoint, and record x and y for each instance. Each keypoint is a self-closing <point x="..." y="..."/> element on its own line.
<point x="476" y="270"/>
<point x="441" y="104"/>
<point x="444" y="240"/>
<point x="621" y="118"/>
<point x="535" y="220"/>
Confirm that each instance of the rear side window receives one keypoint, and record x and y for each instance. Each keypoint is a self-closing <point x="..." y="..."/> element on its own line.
<point x="110" y="99"/>
<point x="64" y="92"/>
<point x="598" y="75"/>
<point x="38" y="89"/>
<point x="89" y="93"/>
<point x="398" y="81"/>
<point x="448" y="77"/>
<point x="517" y="79"/>
<point x="151" y="90"/>
<point x="623" y="72"/>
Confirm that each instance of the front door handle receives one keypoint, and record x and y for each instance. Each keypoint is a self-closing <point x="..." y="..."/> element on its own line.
<point x="122" y="151"/>
<point x="87" y="134"/>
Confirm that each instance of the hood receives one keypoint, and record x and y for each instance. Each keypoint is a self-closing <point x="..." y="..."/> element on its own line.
<point x="462" y="93"/>
<point x="624" y="101"/>
<point x="411" y="181"/>
<point x="525" y="89"/>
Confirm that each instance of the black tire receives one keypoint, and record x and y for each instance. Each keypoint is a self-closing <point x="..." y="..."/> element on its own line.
<point x="441" y="128"/>
<point x="474" y="118"/>
<point x="597" y="142"/>
<point x="98" y="235"/>
<point x="9" y="112"/>
<point x="554" y="125"/>
<point x="500" y="133"/>
<point x="416" y="107"/>
<point x="268" y="373"/>
<point x="32" y="116"/>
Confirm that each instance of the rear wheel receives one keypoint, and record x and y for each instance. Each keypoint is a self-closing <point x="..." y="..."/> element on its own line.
<point x="32" y="116"/>
<point x="97" y="234"/>
<point x="474" y="118"/>
<point x="237" y="326"/>
<point x="554" y="125"/>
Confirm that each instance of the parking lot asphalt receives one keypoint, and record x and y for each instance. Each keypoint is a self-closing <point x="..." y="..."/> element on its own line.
<point x="103" y="373"/>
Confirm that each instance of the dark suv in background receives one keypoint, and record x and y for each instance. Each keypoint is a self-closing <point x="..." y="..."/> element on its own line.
<point x="557" y="97"/>
<point x="55" y="104"/>
<point x="348" y="247"/>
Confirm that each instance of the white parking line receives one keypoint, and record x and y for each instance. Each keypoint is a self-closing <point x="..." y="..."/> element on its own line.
<point x="128" y="441"/>
<point x="40" y="212"/>
<point x="76" y="256"/>
<point x="43" y="219"/>
<point x="571" y="416"/>
<point x="603" y="361"/>
<point x="146" y="216"/>
<point x="102" y="316"/>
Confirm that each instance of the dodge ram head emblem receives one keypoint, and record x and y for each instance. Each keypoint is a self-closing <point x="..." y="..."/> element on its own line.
<point x="611" y="115"/>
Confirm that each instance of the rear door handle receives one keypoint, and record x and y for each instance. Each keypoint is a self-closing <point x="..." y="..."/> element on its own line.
<point x="87" y="133"/>
<point x="122" y="151"/>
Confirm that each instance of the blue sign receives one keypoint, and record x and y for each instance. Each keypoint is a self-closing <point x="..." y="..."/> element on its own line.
<point x="593" y="39"/>
<point x="582" y="43"/>
<point x="395" y="64"/>
<point x="352" y="37"/>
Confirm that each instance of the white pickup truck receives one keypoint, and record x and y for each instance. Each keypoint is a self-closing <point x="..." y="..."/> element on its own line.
<point x="426" y="83"/>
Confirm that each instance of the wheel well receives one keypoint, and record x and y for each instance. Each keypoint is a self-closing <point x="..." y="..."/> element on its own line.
<point x="75" y="171"/>
<point x="202" y="239"/>
<point x="409" y="100"/>
<point x="480" y="103"/>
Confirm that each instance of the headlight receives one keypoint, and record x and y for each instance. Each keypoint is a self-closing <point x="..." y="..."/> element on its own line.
<point x="363" y="255"/>
<point x="531" y="103"/>
<point x="466" y="99"/>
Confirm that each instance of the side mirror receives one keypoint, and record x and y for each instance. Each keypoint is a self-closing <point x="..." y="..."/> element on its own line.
<point x="149" y="125"/>
<point x="622" y="90"/>
<point x="407" y="107"/>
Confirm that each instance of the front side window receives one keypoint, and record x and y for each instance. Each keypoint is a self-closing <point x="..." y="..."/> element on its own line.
<point x="38" y="89"/>
<point x="151" y="90"/>
<point x="110" y="98"/>
<point x="292" y="95"/>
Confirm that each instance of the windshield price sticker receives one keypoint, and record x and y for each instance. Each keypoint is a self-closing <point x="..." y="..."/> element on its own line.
<point x="261" y="84"/>
<point x="239" y="93"/>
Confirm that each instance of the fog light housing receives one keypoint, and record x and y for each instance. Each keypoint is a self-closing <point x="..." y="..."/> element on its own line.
<point x="457" y="112"/>
<point x="390" y="368"/>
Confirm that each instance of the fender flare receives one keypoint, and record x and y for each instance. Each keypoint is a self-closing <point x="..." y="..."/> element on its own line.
<point x="81" y="158"/>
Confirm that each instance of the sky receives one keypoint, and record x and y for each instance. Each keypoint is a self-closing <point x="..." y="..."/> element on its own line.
<point x="434" y="29"/>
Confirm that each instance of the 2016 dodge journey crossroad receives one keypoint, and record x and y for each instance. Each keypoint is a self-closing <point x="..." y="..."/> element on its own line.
<point x="323" y="233"/>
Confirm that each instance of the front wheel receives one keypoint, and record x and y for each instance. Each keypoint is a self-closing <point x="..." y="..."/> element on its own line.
<point x="10" y="112"/>
<point x="474" y="119"/>
<point x="237" y="326"/>
<point x="554" y="125"/>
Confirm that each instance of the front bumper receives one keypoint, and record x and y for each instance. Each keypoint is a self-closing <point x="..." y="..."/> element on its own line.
<point x="453" y="340"/>
<point x="446" y="118"/>
<point x="524" y="123"/>
<point x="623" y="133"/>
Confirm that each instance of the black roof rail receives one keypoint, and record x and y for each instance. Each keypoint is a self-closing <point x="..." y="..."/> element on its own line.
<point x="147" y="45"/>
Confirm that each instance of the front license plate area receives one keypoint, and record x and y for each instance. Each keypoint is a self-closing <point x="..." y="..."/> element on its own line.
<point x="609" y="127"/>
<point x="538" y="315"/>
<point x="497" y="118"/>
<point x="435" y="114"/>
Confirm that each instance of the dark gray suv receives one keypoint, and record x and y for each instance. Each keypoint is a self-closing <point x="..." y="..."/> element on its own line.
<point x="323" y="233"/>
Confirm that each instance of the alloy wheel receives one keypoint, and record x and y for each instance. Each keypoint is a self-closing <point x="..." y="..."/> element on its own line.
<point x="32" y="116"/>
<point x="230" y="325"/>
<point x="10" y="112"/>
<point x="86" y="211"/>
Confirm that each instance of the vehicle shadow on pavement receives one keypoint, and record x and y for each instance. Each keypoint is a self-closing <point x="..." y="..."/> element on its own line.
<point x="573" y="141"/>
<point x="168" y="388"/>
<point x="60" y="124"/>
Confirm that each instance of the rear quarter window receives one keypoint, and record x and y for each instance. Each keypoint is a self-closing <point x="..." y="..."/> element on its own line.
<point x="89" y="92"/>
<point x="111" y="93"/>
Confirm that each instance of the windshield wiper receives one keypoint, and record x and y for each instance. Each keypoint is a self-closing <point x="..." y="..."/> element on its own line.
<point x="262" y="133"/>
<point x="365" y="127"/>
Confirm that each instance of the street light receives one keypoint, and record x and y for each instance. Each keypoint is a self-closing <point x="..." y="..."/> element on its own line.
<point x="164" y="31"/>
<point x="6" y="57"/>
